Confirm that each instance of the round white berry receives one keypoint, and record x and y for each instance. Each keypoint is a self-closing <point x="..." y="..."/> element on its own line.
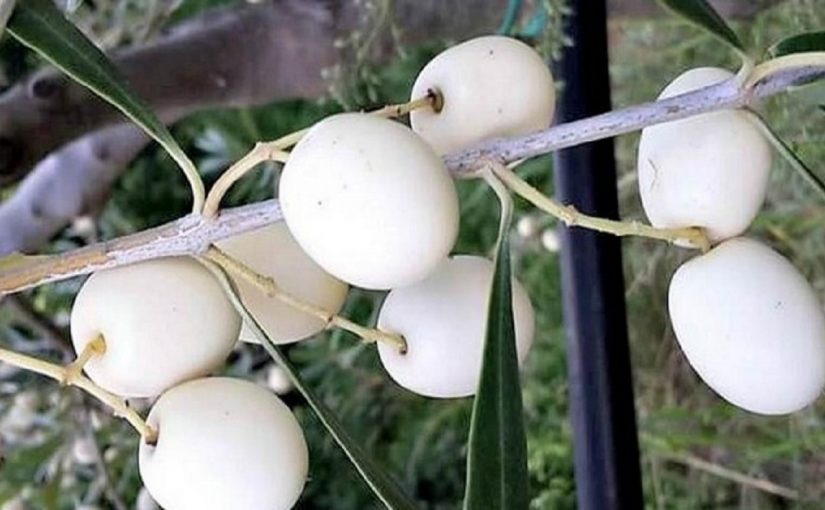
<point x="223" y="443"/>
<point x="710" y="170"/>
<point x="492" y="86"/>
<point x="369" y="201"/>
<point x="272" y="251"/>
<point x="163" y="321"/>
<point x="443" y="320"/>
<point x="751" y="327"/>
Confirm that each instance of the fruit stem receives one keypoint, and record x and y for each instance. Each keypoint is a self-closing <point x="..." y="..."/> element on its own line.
<point x="795" y="60"/>
<point x="268" y="286"/>
<point x="431" y="100"/>
<point x="489" y="173"/>
<point x="568" y="215"/>
<point x="94" y="348"/>
<point x="59" y="374"/>
<point x="262" y="152"/>
<point x="276" y="150"/>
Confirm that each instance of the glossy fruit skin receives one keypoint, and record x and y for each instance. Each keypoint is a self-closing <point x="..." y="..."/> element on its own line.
<point x="223" y="443"/>
<point x="164" y="321"/>
<point x="751" y="327"/>
<point x="710" y="170"/>
<point x="443" y="320"/>
<point x="492" y="86"/>
<point x="369" y="201"/>
<point x="273" y="252"/>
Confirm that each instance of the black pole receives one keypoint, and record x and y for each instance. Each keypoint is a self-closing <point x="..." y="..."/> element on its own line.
<point x="606" y="448"/>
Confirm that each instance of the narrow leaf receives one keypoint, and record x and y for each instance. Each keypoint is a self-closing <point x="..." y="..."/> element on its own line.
<point x="497" y="477"/>
<point x="387" y="489"/>
<point x="41" y="26"/>
<point x="799" y="43"/>
<point x="703" y="15"/>
<point x="510" y="17"/>
<point x="788" y="153"/>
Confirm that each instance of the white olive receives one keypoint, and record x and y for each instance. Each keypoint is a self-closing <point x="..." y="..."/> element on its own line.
<point x="273" y="252"/>
<point x="163" y="321"/>
<point x="443" y="320"/>
<point x="223" y="443"/>
<point x="751" y="327"/>
<point x="710" y="170"/>
<point x="492" y="86"/>
<point x="369" y="201"/>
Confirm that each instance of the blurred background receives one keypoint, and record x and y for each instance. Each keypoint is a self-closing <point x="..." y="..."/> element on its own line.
<point x="60" y="450"/>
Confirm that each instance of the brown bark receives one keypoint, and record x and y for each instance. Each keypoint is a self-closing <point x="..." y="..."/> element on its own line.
<point x="238" y="57"/>
<point x="225" y="58"/>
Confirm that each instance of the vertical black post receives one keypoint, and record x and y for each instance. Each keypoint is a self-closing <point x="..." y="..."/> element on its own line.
<point x="602" y="409"/>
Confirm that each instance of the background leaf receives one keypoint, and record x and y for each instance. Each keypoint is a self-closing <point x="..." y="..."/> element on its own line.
<point x="387" y="489"/>
<point x="497" y="475"/>
<point x="799" y="43"/>
<point x="788" y="153"/>
<point x="703" y="15"/>
<point x="41" y="26"/>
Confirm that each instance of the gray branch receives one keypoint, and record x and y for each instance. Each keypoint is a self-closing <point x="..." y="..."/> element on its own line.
<point x="192" y="235"/>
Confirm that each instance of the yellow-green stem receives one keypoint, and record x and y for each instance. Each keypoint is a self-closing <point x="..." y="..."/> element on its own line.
<point x="571" y="217"/>
<point x="269" y="287"/>
<point x="276" y="151"/>
<point x="94" y="348"/>
<point x="795" y="60"/>
<point x="58" y="373"/>
<point x="262" y="152"/>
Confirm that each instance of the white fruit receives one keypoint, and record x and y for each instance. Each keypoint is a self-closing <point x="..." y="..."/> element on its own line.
<point x="273" y="252"/>
<point x="443" y="320"/>
<point x="145" y="501"/>
<point x="708" y="171"/>
<point x="751" y="327"/>
<point x="164" y="321"/>
<point x="223" y="443"/>
<point x="492" y="87"/>
<point x="369" y="201"/>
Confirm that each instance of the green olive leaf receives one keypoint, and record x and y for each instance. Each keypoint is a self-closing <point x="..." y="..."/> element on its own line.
<point x="799" y="43"/>
<point x="497" y="477"/>
<point x="385" y="487"/>
<point x="41" y="26"/>
<point x="789" y="155"/>
<point x="704" y="16"/>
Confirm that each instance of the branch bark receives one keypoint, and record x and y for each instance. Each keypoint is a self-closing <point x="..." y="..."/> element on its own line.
<point x="192" y="235"/>
<point x="227" y="57"/>
<point x="224" y="58"/>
